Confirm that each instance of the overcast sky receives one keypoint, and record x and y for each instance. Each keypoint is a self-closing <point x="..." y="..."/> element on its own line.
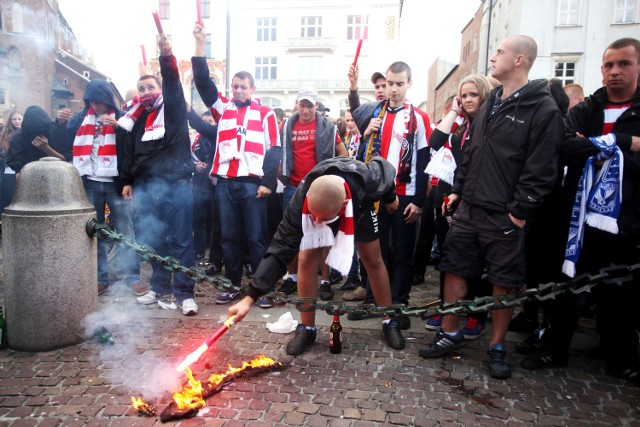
<point x="430" y="29"/>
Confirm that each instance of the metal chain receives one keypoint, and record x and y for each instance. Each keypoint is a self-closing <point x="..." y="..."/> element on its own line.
<point x="146" y="253"/>
<point x="613" y="274"/>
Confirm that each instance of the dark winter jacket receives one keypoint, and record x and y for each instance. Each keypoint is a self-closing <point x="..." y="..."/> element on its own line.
<point x="511" y="162"/>
<point x="167" y="159"/>
<point x="325" y="142"/>
<point x="587" y="118"/>
<point x="36" y="122"/>
<point x="205" y="147"/>
<point x="368" y="183"/>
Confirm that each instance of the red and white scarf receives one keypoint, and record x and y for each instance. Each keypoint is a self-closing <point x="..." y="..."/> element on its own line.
<point x="251" y="134"/>
<point x="154" y="127"/>
<point x="107" y="162"/>
<point x="320" y="235"/>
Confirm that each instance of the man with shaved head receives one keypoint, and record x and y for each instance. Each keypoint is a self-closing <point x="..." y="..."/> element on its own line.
<point x="332" y="207"/>
<point x="510" y="165"/>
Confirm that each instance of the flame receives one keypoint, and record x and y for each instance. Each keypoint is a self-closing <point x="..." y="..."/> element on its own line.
<point x="141" y="406"/>
<point x="259" y="362"/>
<point x="190" y="397"/>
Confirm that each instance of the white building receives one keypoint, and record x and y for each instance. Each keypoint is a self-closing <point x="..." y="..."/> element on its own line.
<point x="571" y="34"/>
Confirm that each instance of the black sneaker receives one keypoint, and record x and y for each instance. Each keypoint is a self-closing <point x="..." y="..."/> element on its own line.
<point x="630" y="373"/>
<point x="303" y="339"/>
<point x="289" y="286"/>
<point x="521" y="323"/>
<point x="530" y="345"/>
<point x="404" y="321"/>
<point x="325" y="293"/>
<point x="443" y="344"/>
<point x="544" y="360"/>
<point x="214" y="270"/>
<point x="335" y="277"/>
<point x="392" y="335"/>
<point x="498" y="366"/>
<point x="350" y="284"/>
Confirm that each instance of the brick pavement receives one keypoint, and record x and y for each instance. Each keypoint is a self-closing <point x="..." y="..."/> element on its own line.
<point x="368" y="384"/>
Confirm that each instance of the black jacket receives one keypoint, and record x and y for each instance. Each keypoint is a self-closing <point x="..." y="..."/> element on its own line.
<point x="169" y="158"/>
<point x="511" y="162"/>
<point x="368" y="183"/>
<point x="36" y="122"/>
<point x="587" y="118"/>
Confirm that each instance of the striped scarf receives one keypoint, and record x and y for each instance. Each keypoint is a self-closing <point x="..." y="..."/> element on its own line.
<point x="154" y="126"/>
<point x="251" y="133"/>
<point x="90" y="130"/>
<point x="443" y="165"/>
<point x="352" y="142"/>
<point x="320" y="235"/>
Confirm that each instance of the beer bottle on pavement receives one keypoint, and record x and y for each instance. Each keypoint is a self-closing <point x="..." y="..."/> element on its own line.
<point x="335" y="336"/>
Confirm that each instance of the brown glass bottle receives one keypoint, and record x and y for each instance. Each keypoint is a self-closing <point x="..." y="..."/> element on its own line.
<point x="335" y="336"/>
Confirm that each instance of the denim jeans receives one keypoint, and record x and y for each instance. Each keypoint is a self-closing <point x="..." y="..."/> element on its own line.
<point x="215" y="247"/>
<point x="124" y="262"/>
<point x="287" y="195"/>
<point x="242" y="216"/>
<point x="201" y="209"/>
<point x="397" y="234"/>
<point x="164" y="221"/>
<point x="101" y="194"/>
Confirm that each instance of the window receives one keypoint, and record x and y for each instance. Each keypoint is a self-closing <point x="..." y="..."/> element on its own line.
<point x="206" y="8"/>
<point x="17" y="18"/>
<point x="356" y="28"/>
<point x="625" y="12"/>
<point x="568" y="11"/>
<point x="15" y="63"/>
<point x="266" y="29"/>
<point x="207" y="45"/>
<point x="565" y="72"/>
<point x="266" y="68"/>
<point x="270" y="102"/>
<point x="163" y="8"/>
<point x="86" y="74"/>
<point x="311" y="26"/>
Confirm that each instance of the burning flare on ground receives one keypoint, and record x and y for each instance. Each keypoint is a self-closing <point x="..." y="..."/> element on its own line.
<point x="142" y="407"/>
<point x="190" y="397"/>
<point x="194" y="356"/>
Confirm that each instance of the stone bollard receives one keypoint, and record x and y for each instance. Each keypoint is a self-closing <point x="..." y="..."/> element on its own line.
<point x="50" y="267"/>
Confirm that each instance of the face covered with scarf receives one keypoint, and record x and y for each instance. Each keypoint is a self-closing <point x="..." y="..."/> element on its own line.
<point x="149" y="91"/>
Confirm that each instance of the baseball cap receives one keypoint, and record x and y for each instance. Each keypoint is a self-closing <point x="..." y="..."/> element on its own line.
<point x="376" y="76"/>
<point x="310" y="94"/>
<point x="322" y="108"/>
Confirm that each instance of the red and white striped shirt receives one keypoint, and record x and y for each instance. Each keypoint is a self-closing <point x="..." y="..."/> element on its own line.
<point x="612" y="113"/>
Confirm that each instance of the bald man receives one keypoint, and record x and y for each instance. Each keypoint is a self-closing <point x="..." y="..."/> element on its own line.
<point x="332" y="207"/>
<point x="511" y="162"/>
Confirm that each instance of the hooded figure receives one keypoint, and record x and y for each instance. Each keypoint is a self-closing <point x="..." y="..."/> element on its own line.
<point x="22" y="149"/>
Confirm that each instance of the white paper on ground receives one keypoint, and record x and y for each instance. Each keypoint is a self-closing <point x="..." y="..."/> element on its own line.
<point x="284" y="325"/>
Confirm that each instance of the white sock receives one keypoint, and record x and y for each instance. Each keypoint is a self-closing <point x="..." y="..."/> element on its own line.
<point x="293" y="277"/>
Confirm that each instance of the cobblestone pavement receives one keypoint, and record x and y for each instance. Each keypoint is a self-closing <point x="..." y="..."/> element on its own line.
<point x="368" y="384"/>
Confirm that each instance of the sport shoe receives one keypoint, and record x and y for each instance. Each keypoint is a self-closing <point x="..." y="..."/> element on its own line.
<point x="350" y="284"/>
<point x="404" y="321"/>
<point x="148" y="298"/>
<point x="358" y="294"/>
<point x="543" y="360"/>
<point x="214" y="269"/>
<point x="303" y="339"/>
<point x="138" y="288"/>
<point x="473" y="329"/>
<point x="530" y="345"/>
<point x="227" y="297"/>
<point x="627" y="372"/>
<point x="265" y="302"/>
<point x="434" y="323"/>
<point x="392" y="334"/>
<point x="189" y="307"/>
<point x="498" y="366"/>
<point x="442" y="344"/>
<point x="325" y="293"/>
<point x="335" y="277"/>
<point x="289" y="286"/>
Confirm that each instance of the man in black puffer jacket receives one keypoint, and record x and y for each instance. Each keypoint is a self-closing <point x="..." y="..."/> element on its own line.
<point x="508" y="169"/>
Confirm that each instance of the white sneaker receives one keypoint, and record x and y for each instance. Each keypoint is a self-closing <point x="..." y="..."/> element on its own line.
<point x="189" y="307"/>
<point x="148" y="298"/>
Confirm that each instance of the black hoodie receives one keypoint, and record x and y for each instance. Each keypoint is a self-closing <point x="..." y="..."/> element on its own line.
<point x="511" y="162"/>
<point x="36" y="122"/>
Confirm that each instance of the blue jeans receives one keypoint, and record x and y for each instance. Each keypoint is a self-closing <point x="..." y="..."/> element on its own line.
<point x="404" y="236"/>
<point x="242" y="215"/>
<point x="101" y="194"/>
<point x="124" y="262"/>
<point x="164" y="221"/>
<point x="287" y="195"/>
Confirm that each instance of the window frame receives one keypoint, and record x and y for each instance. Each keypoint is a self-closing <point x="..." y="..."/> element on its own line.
<point x="355" y="28"/>
<point x="565" y="13"/>
<point x="164" y="9"/>
<point x="628" y="5"/>
<point x="268" y="65"/>
<point x="270" y="29"/>
<point x="305" y="27"/>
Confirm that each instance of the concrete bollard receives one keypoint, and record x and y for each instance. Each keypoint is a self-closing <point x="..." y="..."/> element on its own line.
<point x="50" y="267"/>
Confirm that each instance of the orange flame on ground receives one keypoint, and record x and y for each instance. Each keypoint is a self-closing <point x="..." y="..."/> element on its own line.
<point x="190" y="397"/>
<point x="259" y="362"/>
<point x="141" y="406"/>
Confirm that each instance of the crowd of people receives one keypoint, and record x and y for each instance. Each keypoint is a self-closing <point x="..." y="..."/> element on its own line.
<point x="520" y="182"/>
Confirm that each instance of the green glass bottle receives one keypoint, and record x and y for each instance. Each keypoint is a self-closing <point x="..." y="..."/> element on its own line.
<point x="103" y="336"/>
